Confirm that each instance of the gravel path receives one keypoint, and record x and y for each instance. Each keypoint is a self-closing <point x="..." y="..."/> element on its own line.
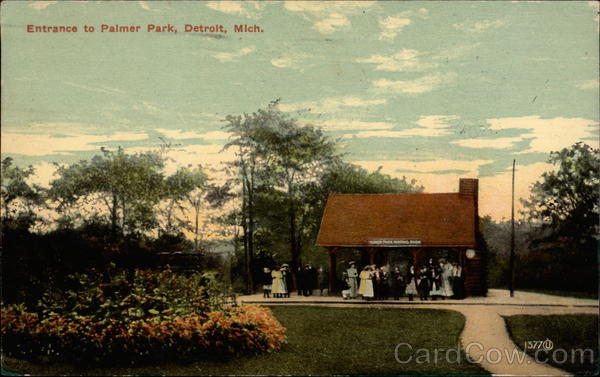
<point x="485" y="337"/>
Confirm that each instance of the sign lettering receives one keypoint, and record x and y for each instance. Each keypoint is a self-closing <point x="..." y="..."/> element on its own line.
<point x="394" y="242"/>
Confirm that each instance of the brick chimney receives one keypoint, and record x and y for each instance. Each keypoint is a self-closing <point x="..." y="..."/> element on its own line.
<point x="469" y="187"/>
<point x="475" y="269"/>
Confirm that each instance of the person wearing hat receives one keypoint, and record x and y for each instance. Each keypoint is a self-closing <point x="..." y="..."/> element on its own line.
<point x="346" y="293"/>
<point x="352" y="276"/>
<point x="300" y="281"/>
<point x="411" y="285"/>
<point x="287" y="279"/>
<point x="311" y="279"/>
<point x="267" y="282"/>
<point x="321" y="279"/>
<point x="423" y="283"/>
<point x="277" y="286"/>
<point x="366" y="283"/>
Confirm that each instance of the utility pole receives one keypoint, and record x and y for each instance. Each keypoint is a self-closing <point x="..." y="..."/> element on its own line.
<point x="511" y="262"/>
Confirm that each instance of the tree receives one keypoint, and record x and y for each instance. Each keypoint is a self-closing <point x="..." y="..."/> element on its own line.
<point x="275" y="152"/>
<point x="299" y="156"/>
<point x="186" y="187"/>
<point x="565" y="201"/>
<point x="127" y="185"/>
<point x="14" y="188"/>
<point x="344" y="178"/>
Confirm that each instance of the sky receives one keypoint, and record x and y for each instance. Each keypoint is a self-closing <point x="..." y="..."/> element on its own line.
<point x="432" y="91"/>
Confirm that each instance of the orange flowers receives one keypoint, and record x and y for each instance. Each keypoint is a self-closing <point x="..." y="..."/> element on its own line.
<point x="235" y="331"/>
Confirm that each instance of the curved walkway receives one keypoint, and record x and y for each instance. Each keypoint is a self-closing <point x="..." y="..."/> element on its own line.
<point x="485" y="331"/>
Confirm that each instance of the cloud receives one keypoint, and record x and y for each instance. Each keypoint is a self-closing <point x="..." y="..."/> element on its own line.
<point x="182" y="135"/>
<point x="391" y="26"/>
<point x="249" y="9"/>
<point x="208" y="155"/>
<point x="178" y="134"/>
<point x="144" y="5"/>
<point x="332" y="23"/>
<point x="548" y="134"/>
<point x="281" y="62"/>
<point x="44" y="144"/>
<point x="292" y="60"/>
<point x="436" y="121"/>
<point x="421" y="85"/>
<point x="494" y="191"/>
<point x="346" y="124"/>
<point x="431" y="174"/>
<point x="216" y="135"/>
<point x="420" y="13"/>
<point x="332" y="104"/>
<point x="403" y="60"/>
<point x="428" y="126"/>
<point x="328" y="16"/>
<point x="589" y="84"/>
<point x="478" y="27"/>
<point x="232" y="56"/>
<point x="455" y="52"/>
<point x="498" y="143"/>
<point x="40" y="5"/>
<point x="97" y="89"/>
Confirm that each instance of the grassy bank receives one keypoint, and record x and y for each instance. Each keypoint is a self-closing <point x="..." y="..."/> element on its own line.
<point x="577" y="294"/>
<point x="567" y="332"/>
<point x="325" y="340"/>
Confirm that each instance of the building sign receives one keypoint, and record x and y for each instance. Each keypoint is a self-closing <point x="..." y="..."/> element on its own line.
<point x="394" y="242"/>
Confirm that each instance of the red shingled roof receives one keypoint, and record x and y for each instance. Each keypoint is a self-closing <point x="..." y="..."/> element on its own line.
<point x="351" y="220"/>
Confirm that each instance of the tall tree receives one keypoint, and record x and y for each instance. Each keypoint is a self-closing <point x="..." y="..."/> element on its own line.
<point x="128" y="185"/>
<point x="184" y="189"/>
<point x="15" y="188"/>
<point x="275" y="152"/>
<point x="565" y="201"/>
<point x="245" y="167"/>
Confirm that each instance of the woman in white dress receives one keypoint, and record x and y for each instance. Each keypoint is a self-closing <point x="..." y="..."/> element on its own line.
<point x="278" y="286"/>
<point x="447" y="290"/>
<point x="366" y="283"/>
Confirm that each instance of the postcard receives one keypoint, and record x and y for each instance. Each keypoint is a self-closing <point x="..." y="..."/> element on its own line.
<point x="300" y="187"/>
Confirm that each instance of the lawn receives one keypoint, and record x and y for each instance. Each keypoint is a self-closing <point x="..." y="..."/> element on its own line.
<point x="324" y="340"/>
<point x="567" y="332"/>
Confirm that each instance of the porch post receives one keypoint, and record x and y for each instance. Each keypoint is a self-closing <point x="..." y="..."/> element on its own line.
<point x="371" y="251"/>
<point x="332" y="268"/>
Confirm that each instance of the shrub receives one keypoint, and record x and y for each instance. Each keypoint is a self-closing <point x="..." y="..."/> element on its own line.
<point x="157" y="316"/>
<point x="241" y="330"/>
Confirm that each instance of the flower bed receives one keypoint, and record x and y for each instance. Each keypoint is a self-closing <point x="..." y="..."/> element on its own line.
<point x="242" y="330"/>
<point x="157" y="317"/>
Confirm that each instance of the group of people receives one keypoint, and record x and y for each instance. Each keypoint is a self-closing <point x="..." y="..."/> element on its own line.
<point x="278" y="281"/>
<point x="436" y="281"/>
<point x="439" y="280"/>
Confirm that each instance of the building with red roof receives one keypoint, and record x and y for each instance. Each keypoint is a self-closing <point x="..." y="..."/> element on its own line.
<point x="415" y="223"/>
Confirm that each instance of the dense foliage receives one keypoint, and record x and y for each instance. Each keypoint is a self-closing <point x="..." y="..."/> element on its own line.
<point x="556" y="244"/>
<point x="286" y="170"/>
<point x="566" y="200"/>
<point x="158" y="316"/>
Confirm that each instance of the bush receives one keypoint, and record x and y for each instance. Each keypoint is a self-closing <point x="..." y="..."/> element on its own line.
<point x="158" y="316"/>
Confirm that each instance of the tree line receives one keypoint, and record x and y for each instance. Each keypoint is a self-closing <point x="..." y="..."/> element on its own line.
<point x="270" y="204"/>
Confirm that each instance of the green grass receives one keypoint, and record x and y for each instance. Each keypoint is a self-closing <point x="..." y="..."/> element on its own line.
<point x="323" y="340"/>
<point x="568" y="332"/>
<point x="577" y="294"/>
